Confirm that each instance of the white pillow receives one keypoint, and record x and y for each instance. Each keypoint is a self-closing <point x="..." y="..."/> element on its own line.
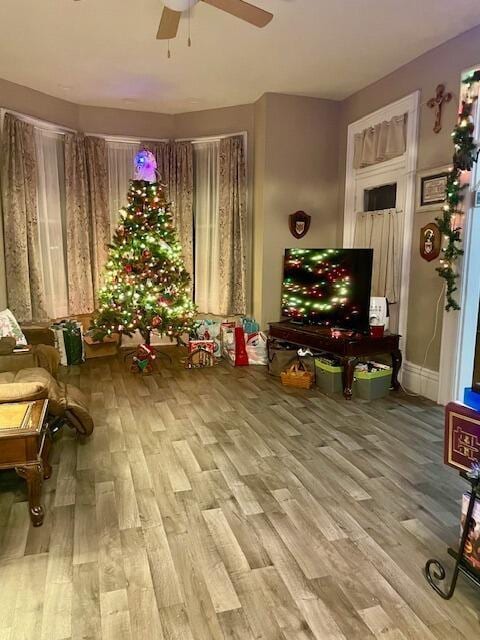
<point x="10" y="327"/>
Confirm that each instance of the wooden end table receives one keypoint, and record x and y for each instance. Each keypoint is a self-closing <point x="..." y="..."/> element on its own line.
<point x="347" y="345"/>
<point x="26" y="450"/>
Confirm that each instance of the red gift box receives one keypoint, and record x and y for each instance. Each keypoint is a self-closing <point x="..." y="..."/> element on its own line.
<point x="208" y="345"/>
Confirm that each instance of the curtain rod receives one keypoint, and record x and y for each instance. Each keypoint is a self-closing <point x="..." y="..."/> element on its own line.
<point x="212" y="138"/>
<point x="126" y="139"/>
<point x="39" y="123"/>
<point x="60" y="129"/>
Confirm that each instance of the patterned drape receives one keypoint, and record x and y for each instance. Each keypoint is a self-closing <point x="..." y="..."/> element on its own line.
<point x="88" y="218"/>
<point x="233" y="226"/>
<point x="175" y="168"/>
<point x="25" y="291"/>
<point x="181" y="194"/>
<point x="97" y="175"/>
<point x="79" y="254"/>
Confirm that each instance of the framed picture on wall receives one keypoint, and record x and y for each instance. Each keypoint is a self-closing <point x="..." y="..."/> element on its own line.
<point x="431" y="185"/>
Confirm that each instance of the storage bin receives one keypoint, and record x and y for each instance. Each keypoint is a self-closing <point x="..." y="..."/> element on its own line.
<point x="328" y="377"/>
<point x="372" y="385"/>
<point x="297" y="376"/>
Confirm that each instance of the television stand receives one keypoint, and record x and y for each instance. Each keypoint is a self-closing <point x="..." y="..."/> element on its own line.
<point x="349" y="346"/>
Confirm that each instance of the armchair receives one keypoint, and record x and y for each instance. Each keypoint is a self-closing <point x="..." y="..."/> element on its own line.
<point x="32" y="376"/>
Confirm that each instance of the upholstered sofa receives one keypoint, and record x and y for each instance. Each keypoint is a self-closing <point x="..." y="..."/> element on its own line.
<point x="32" y="376"/>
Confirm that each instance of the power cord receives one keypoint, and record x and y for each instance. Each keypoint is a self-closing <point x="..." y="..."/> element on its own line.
<point x="435" y="329"/>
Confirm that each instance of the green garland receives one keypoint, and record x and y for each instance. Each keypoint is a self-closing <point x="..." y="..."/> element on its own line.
<point x="464" y="156"/>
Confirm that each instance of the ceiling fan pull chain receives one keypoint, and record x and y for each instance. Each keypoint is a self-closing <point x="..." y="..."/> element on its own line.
<point x="169" y="55"/>
<point x="189" y="38"/>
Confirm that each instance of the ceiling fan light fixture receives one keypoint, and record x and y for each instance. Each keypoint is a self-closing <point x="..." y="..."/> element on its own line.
<point x="179" y="5"/>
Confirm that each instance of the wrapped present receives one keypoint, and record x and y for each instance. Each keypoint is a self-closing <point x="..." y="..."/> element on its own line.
<point x="257" y="349"/>
<point x="234" y="345"/>
<point x="207" y="345"/>
<point x="200" y="354"/>
<point x="101" y="348"/>
<point x="250" y="325"/>
<point x="228" y="341"/>
<point x="209" y="329"/>
<point x="69" y="341"/>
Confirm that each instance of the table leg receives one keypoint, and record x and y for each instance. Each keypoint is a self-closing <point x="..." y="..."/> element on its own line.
<point x="47" y="467"/>
<point x="396" y="365"/>
<point x="347" y="377"/>
<point x="32" y="472"/>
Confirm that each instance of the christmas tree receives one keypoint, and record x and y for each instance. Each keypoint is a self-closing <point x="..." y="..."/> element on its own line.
<point x="146" y="286"/>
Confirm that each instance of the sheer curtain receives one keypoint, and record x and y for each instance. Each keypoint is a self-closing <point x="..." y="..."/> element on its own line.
<point x="206" y="216"/>
<point x="51" y="220"/>
<point x="386" y="140"/>
<point x="120" y="171"/>
<point x="382" y="231"/>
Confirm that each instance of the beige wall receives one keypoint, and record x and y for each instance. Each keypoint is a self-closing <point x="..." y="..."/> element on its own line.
<point x="135" y="124"/>
<point x="441" y="65"/>
<point x="296" y="160"/>
<point x="39" y="105"/>
<point x="296" y="168"/>
<point x="260" y="134"/>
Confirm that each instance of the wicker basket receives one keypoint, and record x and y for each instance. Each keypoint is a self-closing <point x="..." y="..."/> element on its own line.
<point x="297" y="376"/>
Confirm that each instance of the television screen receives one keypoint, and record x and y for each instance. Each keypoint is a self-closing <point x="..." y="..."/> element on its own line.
<point x="329" y="287"/>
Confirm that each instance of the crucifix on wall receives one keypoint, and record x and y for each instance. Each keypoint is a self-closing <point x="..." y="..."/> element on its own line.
<point x="437" y="103"/>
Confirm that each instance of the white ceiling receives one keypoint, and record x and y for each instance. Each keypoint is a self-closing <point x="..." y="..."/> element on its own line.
<point x="104" y="52"/>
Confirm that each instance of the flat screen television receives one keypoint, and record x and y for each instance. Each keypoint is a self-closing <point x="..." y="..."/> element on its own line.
<point x="329" y="287"/>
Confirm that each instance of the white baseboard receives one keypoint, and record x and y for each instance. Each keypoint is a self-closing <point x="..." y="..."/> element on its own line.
<point x="420" y="380"/>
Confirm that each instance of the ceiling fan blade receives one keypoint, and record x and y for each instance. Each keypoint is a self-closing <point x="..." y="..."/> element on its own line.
<point x="243" y="10"/>
<point x="168" y="24"/>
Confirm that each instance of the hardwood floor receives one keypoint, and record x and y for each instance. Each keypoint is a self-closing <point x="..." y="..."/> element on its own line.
<point x="216" y="504"/>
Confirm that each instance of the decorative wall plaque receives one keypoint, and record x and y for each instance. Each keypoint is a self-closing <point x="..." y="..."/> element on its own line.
<point x="430" y="242"/>
<point x="462" y="436"/>
<point x="299" y="223"/>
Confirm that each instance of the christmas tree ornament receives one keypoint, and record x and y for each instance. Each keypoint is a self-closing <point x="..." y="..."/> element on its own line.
<point x="145" y="169"/>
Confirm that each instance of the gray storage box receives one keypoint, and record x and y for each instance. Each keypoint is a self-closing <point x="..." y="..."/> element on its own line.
<point x="372" y="385"/>
<point x="328" y="377"/>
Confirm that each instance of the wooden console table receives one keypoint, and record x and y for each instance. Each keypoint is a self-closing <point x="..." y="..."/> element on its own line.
<point x="25" y="449"/>
<point x="347" y="345"/>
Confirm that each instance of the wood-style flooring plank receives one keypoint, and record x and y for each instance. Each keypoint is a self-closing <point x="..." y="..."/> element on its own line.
<point x="216" y="504"/>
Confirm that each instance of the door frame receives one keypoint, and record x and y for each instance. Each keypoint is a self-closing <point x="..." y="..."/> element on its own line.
<point x="407" y="166"/>
<point x="459" y="327"/>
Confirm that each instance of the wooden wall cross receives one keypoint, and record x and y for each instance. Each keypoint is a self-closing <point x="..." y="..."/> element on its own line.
<point x="437" y="103"/>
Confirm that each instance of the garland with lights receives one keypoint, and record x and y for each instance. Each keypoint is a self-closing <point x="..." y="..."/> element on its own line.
<point x="146" y="285"/>
<point x="465" y="154"/>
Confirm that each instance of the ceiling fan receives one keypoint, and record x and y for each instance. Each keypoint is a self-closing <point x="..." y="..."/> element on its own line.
<point x="173" y="10"/>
